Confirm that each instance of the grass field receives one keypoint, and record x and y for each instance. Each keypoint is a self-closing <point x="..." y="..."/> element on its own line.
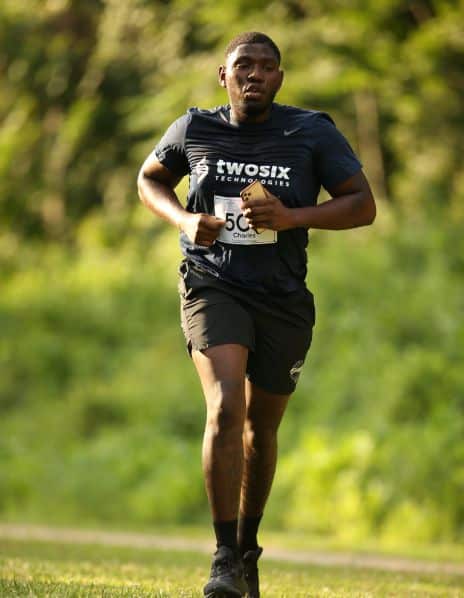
<point x="38" y="568"/>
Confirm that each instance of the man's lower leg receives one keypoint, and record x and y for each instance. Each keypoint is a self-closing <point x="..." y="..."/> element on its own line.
<point x="258" y="474"/>
<point x="264" y="413"/>
<point x="223" y="465"/>
<point x="248" y="532"/>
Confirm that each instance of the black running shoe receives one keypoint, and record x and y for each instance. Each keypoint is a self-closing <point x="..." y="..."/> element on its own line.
<point x="250" y="566"/>
<point x="226" y="579"/>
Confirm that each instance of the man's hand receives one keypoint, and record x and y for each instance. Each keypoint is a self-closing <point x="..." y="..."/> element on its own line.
<point x="201" y="229"/>
<point x="266" y="213"/>
<point x="352" y="205"/>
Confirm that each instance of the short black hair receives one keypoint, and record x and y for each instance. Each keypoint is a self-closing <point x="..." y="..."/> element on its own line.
<point x="252" y="37"/>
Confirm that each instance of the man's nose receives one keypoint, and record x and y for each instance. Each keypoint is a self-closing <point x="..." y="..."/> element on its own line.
<point x="256" y="73"/>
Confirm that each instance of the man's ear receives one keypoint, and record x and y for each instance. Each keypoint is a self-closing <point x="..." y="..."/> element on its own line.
<point x="281" y="78"/>
<point x="222" y="76"/>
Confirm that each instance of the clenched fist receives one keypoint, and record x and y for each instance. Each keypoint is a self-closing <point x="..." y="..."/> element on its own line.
<point x="201" y="229"/>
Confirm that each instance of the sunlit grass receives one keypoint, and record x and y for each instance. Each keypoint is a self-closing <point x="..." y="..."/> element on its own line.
<point x="51" y="569"/>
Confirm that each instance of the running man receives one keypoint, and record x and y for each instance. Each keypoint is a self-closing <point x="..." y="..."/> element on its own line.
<point x="246" y="313"/>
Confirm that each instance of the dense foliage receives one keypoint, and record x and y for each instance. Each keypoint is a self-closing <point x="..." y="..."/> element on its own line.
<point x="100" y="411"/>
<point x="102" y="415"/>
<point x="88" y="86"/>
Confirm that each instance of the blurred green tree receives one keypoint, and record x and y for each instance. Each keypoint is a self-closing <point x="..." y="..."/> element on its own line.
<point x="88" y="86"/>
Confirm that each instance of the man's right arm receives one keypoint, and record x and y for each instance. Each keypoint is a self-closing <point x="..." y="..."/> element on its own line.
<point x="156" y="185"/>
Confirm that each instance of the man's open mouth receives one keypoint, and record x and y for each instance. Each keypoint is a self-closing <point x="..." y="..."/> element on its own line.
<point x="253" y="92"/>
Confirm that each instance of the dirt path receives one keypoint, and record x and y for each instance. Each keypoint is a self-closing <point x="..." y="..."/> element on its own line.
<point x="138" y="540"/>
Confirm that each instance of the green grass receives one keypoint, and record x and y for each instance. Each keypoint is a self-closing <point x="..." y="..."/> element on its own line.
<point x="52" y="569"/>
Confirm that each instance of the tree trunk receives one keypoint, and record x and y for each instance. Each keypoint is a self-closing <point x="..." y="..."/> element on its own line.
<point x="367" y="124"/>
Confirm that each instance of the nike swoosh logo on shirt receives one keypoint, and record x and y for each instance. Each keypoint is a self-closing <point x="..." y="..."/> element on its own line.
<point x="291" y="131"/>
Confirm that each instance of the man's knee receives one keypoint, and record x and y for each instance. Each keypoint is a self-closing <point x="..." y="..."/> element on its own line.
<point x="259" y="437"/>
<point x="226" y="407"/>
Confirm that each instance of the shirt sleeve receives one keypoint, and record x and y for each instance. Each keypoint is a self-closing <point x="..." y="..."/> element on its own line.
<point x="170" y="150"/>
<point x="335" y="159"/>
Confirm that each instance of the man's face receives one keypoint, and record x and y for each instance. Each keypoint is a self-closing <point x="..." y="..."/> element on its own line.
<point x="252" y="78"/>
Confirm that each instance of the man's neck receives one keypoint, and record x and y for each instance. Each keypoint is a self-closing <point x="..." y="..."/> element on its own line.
<point x="242" y="118"/>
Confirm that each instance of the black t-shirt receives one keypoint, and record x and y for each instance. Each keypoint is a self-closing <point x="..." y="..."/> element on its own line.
<point x="292" y="154"/>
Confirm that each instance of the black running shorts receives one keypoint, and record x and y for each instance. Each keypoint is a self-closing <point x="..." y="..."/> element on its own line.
<point x="276" y="330"/>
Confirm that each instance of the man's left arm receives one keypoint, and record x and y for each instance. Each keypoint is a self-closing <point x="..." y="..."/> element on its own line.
<point x="351" y="205"/>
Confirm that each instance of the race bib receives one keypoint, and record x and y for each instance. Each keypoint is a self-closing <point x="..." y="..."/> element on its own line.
<point x="236" y="230"/>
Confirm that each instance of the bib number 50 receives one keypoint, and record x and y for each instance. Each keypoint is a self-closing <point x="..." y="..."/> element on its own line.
<point x="236" y="230"/>
<point x="234" y="221"/>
